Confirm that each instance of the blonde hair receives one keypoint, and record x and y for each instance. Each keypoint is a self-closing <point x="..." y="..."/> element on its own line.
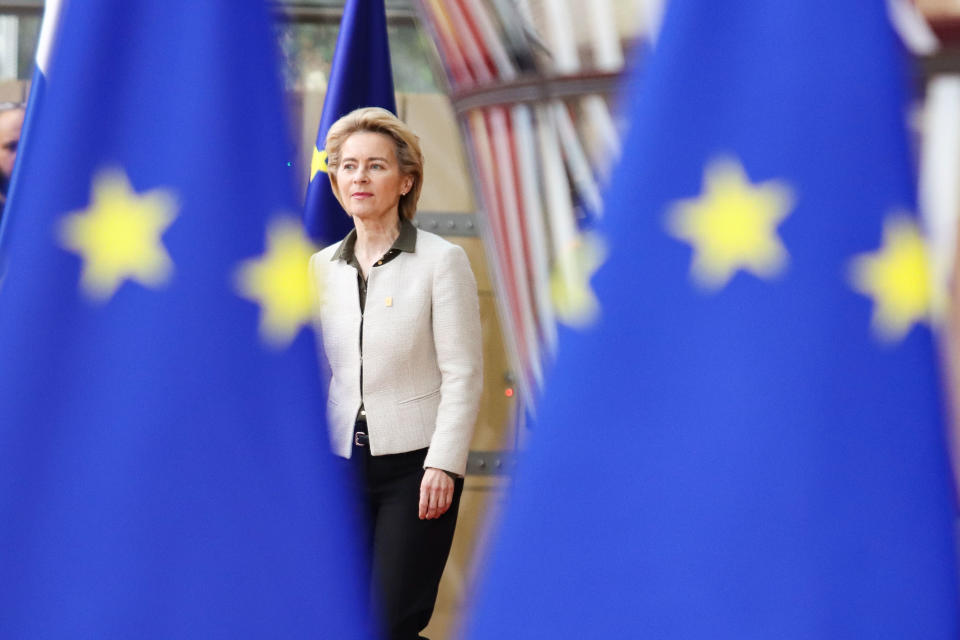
<point x="405" y="142"/>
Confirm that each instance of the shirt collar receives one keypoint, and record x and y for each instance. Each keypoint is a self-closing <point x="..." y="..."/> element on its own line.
<point x="406" y="241"/>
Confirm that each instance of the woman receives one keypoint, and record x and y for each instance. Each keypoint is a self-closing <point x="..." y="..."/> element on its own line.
<point x="401" y="331"/>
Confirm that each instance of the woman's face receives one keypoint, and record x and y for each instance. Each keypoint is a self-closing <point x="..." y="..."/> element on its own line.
<point x="369" y="178"/>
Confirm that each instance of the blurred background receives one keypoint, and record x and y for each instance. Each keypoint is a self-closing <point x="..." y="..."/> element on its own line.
<point x="536" y="81"/>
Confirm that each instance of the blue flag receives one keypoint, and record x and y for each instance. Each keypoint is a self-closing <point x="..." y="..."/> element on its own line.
<point x="360" y="76"/>
<point x="164" y="470"/>
<point x="749" y="442"/>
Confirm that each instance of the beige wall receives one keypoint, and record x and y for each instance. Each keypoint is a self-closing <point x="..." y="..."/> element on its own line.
<point x="14" y="91"/>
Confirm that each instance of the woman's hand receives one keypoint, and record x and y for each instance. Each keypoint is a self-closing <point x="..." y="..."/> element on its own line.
<point x="436" y="493"/>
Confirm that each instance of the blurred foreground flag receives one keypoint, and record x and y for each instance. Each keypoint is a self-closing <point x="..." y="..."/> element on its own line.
<point x="163" y="460"/>
<point x="360" y="76"/>
<point x="760" y="450"/>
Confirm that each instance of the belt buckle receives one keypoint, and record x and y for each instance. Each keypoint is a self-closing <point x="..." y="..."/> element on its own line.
<point x="357" y="438"/>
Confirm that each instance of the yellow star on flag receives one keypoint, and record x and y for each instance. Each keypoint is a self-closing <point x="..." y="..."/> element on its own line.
<point x="318" y="162"/>
<point x="118" y="236"/>
<point x="732" y="225"/>
<point x="279" y="282"/>
<point x="573" y="298"/>
<point x="897" y="276"/>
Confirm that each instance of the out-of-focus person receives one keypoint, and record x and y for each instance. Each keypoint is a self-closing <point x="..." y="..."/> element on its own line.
<point x="11" y="121"/>
<point x="400" y="320"/>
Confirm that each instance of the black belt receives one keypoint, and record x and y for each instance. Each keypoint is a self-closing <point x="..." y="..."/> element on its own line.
<point x="360" y="437"/>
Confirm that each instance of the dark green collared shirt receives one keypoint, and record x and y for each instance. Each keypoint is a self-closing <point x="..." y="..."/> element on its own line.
<point x="406" y="241"/>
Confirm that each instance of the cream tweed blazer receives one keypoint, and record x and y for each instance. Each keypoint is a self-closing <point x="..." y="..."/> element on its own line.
<point x="422" y="359"/>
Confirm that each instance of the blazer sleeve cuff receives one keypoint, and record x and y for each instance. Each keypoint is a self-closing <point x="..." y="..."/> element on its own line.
<point x="455" y="465"/>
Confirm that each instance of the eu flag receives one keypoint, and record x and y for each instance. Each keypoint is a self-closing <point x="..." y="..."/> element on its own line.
<point x="749" y="443"/>
<point x="164" y="470"/>
<point x="360" y="76"/>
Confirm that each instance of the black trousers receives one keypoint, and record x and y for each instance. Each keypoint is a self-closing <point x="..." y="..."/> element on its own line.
<point x="407" y="554"/>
